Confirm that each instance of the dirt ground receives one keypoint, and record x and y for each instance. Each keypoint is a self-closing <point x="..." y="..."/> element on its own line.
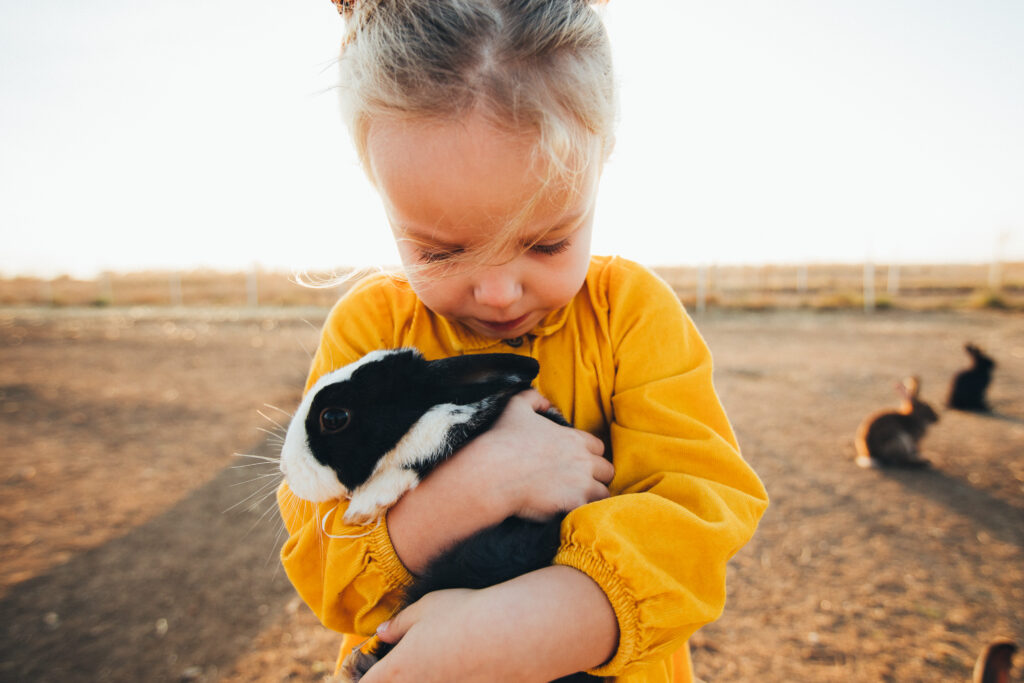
<point x="136" y="546"/>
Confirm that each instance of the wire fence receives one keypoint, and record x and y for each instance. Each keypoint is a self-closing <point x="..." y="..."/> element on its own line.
<point x="820" y="286"/>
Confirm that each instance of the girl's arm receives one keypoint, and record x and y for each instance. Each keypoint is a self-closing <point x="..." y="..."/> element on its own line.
<point x="526" y="466"/>
<point x="683" y="498"/>
<point x="355" y="582"/>
<point x="517" y="632"/>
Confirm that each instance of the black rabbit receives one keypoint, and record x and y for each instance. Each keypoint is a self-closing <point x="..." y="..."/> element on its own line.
<point x="967" y="391"/>
<point x="370" y="431"/>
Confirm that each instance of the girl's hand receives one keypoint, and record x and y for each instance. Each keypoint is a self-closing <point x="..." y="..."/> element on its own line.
<point x="535" y="467"/>
<point x="536" y="627"/>
<point x="525" y="465"/>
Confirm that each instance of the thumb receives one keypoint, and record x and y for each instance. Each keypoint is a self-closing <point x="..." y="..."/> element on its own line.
<point x="392" y="630"/>
<point x="537" y="402"/>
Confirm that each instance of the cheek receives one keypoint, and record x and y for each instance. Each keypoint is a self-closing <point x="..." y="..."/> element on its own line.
<point x="565" y="279"/>
<point x="441" y="295"/>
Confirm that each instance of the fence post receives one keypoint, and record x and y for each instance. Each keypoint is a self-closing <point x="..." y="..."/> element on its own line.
<point x="175" y="285"/>
<point x="995" y="270"/>
<point x="869" y="286"/>
<point x="995" y="275"/>
<point x="252" y="286"/>
<point x="801" y="278"/>
<point x="46" y="292"/>
<point x="701" y="288"/>
<point x="106" y="289"/>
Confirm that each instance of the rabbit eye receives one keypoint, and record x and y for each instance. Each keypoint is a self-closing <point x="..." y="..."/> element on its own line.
<point x="333" y="420"/>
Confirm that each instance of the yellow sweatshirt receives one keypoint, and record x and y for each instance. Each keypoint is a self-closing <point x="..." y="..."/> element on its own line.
<point x="623" y="361"/>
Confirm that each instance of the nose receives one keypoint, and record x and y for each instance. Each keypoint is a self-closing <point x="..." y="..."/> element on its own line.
<point x="497" y="286"/>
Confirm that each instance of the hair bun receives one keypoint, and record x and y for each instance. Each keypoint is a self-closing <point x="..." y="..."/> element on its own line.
<point x="345" y="7"/>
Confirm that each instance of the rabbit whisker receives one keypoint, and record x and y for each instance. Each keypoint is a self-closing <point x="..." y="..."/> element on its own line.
<point x="256" y="457"/>
<point x="254" y="464"/>
<point x="274" y="436"/>
<point x="280" y="410"/>
<point x="258" y="477"/>
<point x="271" y="420"/>
<point x="261" y="491"/>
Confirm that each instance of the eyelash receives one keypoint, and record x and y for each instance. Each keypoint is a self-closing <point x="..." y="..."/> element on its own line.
<point x="545" y="249"/>
<point x="437" y="256"/>
<point x="551" y="249"/>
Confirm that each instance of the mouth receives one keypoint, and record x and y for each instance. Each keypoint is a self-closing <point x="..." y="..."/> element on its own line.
<point x="504" y="327"/>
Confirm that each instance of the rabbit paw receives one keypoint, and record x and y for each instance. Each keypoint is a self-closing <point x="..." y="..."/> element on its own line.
<point x="355" y="666"/>
<point x="370" y="501"/>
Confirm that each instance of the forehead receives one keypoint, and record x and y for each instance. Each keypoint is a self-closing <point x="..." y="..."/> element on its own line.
<point x="457" y="180"/>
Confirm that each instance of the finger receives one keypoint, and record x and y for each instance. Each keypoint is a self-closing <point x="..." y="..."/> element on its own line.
<point x="597" y="492"/>
<point x="392" y="630"/>
<point x="592" y="443"/>
<point x="537" y="403"/>
<point x="604" y="471"/>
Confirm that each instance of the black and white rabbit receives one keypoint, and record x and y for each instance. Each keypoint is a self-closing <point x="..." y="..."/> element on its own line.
<point x="967" y="390"/>
<point x="891" y="438"/>
<point x="370" y="431"/>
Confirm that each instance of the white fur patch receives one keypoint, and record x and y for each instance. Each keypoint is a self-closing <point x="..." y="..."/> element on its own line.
<point x="307" y="477"/>
<point x="311" y="480"/>
<point x="866" y="462"/>
<point x="391" y="478"/>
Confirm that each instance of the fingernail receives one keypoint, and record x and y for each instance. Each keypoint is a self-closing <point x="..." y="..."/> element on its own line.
<point x="383" y="627"/>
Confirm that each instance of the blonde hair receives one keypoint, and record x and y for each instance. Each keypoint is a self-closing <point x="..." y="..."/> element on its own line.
<point x="536" y="66"/>
<point x="533" y="67"/>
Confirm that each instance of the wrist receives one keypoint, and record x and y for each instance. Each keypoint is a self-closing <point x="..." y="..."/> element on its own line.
<point x="567" y="611"/>
<point x="448" y="506"/>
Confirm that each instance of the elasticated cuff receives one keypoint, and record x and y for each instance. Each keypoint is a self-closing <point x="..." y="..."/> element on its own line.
<point x="618" y="595"/>
<point x="382" y="551"/>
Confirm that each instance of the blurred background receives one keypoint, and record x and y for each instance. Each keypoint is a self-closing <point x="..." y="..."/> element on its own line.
<point x="140" y="136"/>
<point x="833" y="190"/>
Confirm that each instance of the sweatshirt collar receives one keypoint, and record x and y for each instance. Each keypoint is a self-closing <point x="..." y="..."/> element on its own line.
<point x="461" y="338"/>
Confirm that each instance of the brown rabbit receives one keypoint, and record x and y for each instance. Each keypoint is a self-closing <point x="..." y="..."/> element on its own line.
<point x="994" y="662"/>
<point x="890" y="438"/>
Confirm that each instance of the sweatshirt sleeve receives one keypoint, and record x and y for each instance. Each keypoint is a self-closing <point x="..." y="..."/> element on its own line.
<point x="683" y="499"/>
<point x="354" y="583"/>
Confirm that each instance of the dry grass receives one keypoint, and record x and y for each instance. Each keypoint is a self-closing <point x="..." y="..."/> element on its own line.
<point x="816" y="286"/>
<point x="841" y="286"/>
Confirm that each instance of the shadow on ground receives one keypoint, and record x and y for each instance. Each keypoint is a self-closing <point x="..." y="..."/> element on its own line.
<point x="151" y="605"/>
<point x="1001" y="519"/>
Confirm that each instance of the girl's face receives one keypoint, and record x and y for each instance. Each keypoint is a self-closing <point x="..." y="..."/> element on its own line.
<point x="451" y="188"/>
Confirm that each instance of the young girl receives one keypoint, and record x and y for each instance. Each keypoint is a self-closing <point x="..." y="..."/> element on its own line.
<point x="484" y="125"/>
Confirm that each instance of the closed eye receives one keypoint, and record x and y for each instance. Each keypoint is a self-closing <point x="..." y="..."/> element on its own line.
<point x="427" y="256"/>
<point x="551" y="249"/>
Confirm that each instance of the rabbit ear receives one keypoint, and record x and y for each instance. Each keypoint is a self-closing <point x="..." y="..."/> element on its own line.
<point x="995" y="662"/>
<point x="468" y="379"/>
<point x="902" y="390"/>
<point x="913" y="386"/>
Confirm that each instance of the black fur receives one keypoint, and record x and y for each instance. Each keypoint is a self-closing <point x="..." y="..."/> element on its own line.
<point x="385" y="398"/>
<point x="967" y="391"/>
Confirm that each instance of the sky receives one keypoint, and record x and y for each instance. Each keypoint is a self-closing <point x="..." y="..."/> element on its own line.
<point x="205" y="134"/>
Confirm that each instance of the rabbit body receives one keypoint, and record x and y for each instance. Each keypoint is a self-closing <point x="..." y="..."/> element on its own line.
<point x="967" y="390"/>
<point x="892" y="438"/>
<point x="373" y="429"/>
